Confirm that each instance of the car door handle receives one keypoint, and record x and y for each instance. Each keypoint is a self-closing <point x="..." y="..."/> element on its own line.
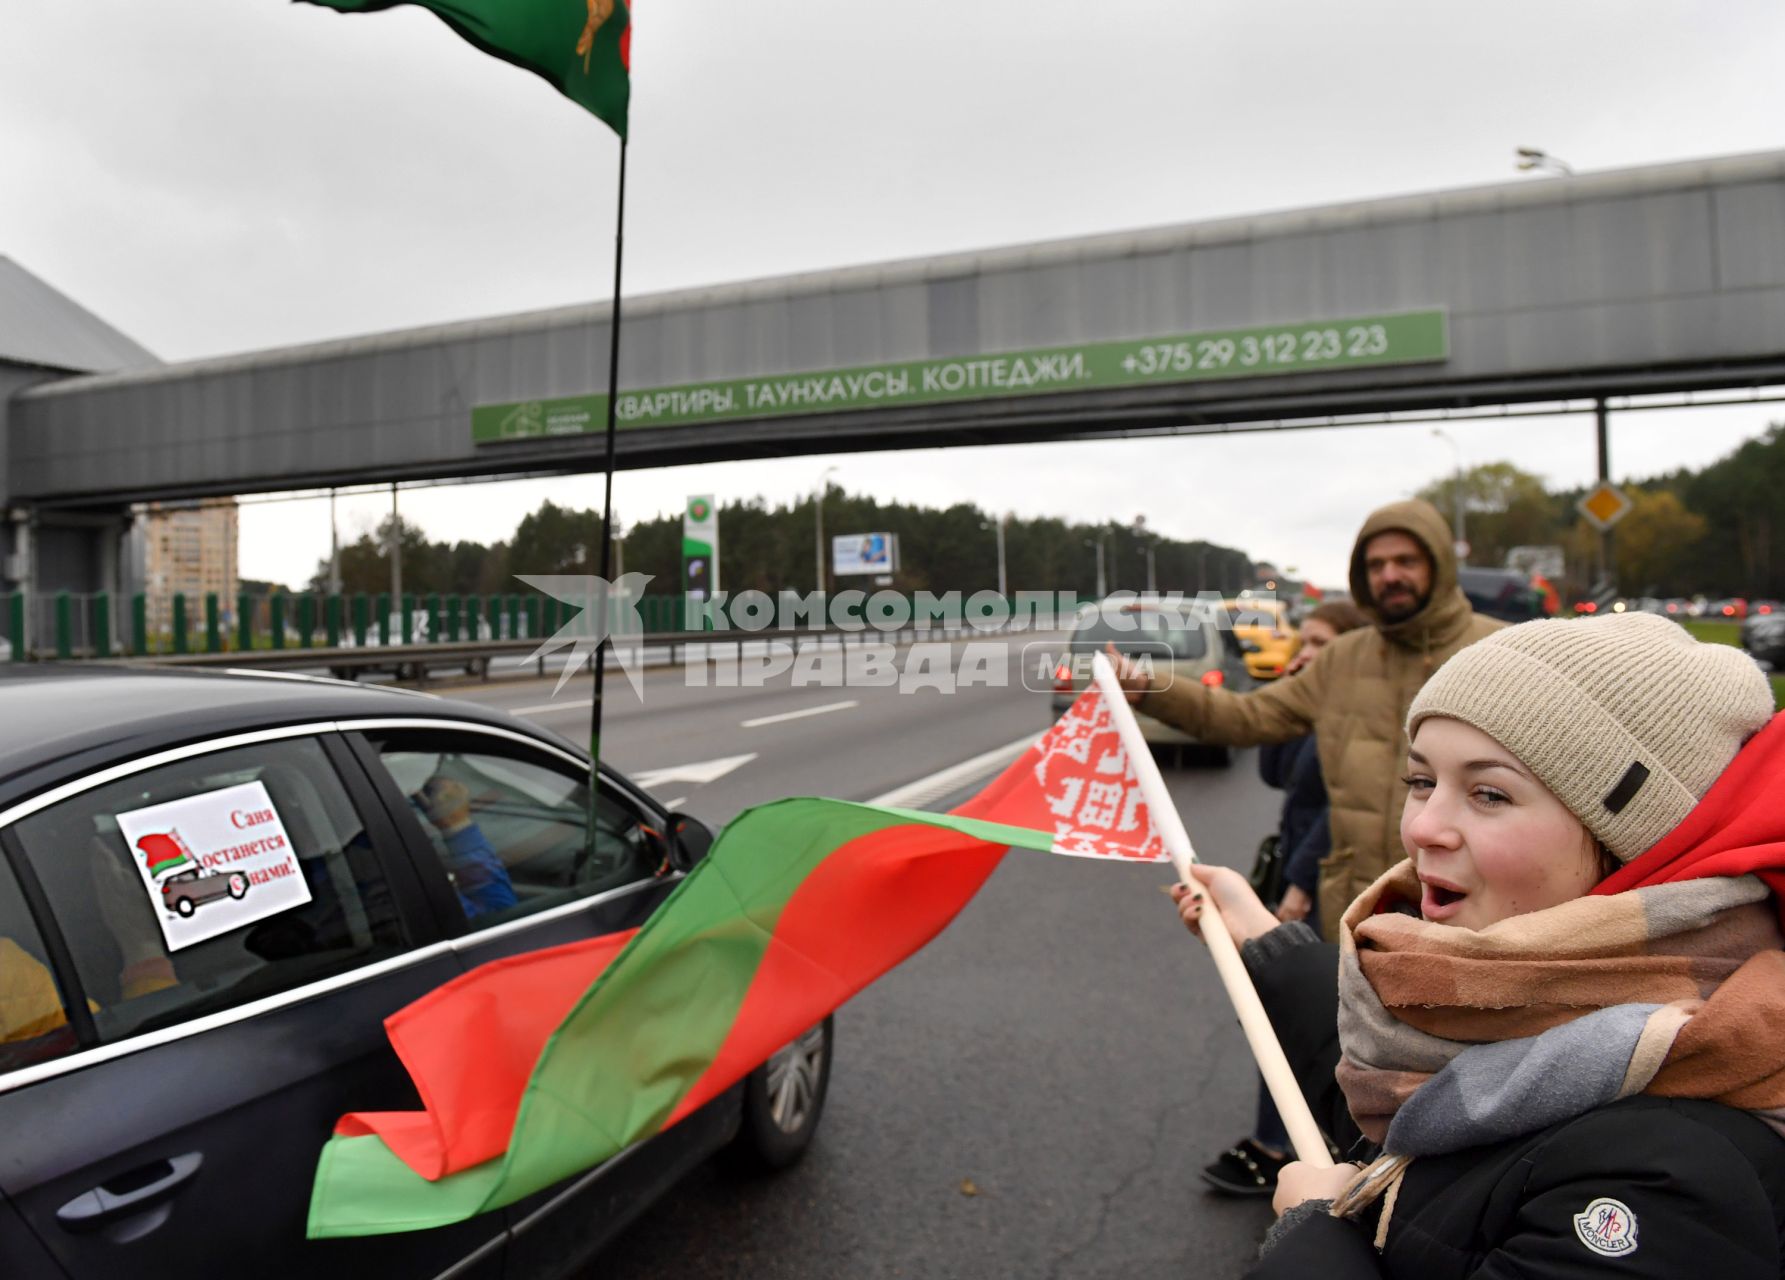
<point x="129" y="1193"/>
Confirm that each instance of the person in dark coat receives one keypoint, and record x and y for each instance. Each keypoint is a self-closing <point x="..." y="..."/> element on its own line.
<point x="1249" y="1167"/>
<point x="1293" y="768"/>
<point x="1554" y="1037"/>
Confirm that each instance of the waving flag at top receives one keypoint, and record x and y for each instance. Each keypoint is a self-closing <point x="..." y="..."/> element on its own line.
<point x="584" y="47"/>
<point x="537" y="1067"/>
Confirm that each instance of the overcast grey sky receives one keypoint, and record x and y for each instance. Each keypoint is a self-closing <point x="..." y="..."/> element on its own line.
<point x="223" y="175"/>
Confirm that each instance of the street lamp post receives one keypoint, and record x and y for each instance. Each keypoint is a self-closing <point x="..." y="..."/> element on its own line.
<point x="818" y="518"/>
<point x="1462" y="532"/>
<point x="997" y="526"/>
<point x="396" y="559"/>
<point x="1148" y="540"/>
<point x="334" y="548"/>
<point x="1097" y="543"/>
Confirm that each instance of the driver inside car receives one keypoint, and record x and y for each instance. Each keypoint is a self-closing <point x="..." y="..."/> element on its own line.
<point x="478" y="874"/>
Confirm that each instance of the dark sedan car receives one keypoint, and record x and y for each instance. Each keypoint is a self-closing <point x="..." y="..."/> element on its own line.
<point x="168" y="1078"/>
<point x="1763" y="636"/>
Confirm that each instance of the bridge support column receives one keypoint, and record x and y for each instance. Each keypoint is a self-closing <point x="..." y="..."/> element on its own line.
<point x="1607" y="570"/>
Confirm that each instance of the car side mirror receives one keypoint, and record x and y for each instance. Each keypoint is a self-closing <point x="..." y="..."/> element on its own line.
<point x="693" y="838"/>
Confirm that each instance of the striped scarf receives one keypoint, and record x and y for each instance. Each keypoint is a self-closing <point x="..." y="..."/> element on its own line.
<point x="1453" y="1038"/>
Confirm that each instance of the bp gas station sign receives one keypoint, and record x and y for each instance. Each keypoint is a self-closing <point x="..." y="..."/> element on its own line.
<point x="1408" y="337"/>
<point x="700" y="547"/>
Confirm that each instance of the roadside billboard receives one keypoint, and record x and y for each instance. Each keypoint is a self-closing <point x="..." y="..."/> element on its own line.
<point x="865" y="554"/>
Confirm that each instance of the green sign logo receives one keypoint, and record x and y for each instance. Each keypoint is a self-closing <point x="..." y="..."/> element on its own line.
<point x="698" y="510"/>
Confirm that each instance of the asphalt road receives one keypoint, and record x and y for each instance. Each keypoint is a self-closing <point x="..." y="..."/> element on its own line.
<point x="843" y="732"/>
<point x="1032" y="1094"/>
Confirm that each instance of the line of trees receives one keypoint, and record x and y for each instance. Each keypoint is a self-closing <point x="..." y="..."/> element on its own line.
<point x="1719" y="531"/>
<point x="773" y="548"/>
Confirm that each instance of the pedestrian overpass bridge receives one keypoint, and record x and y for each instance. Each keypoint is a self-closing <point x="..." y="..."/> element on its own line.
<point x="1667" y="278"/>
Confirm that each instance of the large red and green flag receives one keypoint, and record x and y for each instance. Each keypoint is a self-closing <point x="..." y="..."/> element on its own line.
<point x="583" y="47"/>
<point x="538" y="1067"/>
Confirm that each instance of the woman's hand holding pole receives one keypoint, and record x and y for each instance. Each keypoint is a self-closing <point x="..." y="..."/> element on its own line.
<point x="1304" y="1134"/>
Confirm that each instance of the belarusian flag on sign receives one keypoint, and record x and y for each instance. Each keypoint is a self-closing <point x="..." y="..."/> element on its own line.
<point x="584" y="47"/>
<point x="583" y="1050"/>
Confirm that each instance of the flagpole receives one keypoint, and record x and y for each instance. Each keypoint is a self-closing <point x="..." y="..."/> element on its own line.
<point x="1310" y="1147"/>
<point x="603" y="598"/>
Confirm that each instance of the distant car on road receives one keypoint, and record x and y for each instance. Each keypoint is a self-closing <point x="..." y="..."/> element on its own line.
<point x="164" y="1105"/>
<point x="1267" y="637"/>
<point x="1186" y="641"/>
<point x="1763" y="636"/>
<point x="1501" y="593"/>
<point x="1733" y="609"/>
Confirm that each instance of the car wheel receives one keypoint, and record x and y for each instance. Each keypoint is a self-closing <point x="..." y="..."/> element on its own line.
<point x="783" y="1101"/>
<point x="184" y="907"/>
<point x="238" y="885"/>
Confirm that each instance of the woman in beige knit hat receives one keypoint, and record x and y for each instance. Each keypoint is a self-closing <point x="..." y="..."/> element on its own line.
<point x="1554" y="1037"/>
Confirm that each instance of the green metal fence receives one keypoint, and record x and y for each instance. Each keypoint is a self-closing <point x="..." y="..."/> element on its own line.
<point x="67" y="625"/>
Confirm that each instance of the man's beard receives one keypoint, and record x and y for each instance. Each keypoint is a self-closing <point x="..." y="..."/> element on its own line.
<point x="1401" y="605"/>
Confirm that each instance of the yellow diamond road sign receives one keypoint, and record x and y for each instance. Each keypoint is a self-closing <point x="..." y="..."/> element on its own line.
<point x="1605" y="505"/>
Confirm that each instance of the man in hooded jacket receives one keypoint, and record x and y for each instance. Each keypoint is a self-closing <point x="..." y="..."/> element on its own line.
<point x="1354" y="697"/>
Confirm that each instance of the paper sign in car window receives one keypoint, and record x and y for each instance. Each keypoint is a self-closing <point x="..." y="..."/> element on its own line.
<point x="214" y="862"/>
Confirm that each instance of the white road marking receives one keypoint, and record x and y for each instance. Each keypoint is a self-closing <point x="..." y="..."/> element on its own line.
<point x="798" y="715"/>
<point x="677" y="803"/>
<point x="567" y="704"/>
<point x="926" y="791"/>
<point x="699" y="773"/>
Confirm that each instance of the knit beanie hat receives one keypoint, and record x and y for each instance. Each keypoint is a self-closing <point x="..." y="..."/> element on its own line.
<point x="1625" y="717"/>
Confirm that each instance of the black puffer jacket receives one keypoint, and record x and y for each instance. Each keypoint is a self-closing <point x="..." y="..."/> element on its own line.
<point x="1646" y="1187"/>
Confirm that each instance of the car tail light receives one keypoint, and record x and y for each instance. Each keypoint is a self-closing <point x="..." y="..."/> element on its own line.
<point x="1062" y="678"/>
<point x="1213" y="679"/>
<point x="1729" y="611"/>
<point x="1766" y="608"/>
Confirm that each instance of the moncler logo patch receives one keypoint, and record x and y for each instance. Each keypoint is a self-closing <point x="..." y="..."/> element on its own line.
<point x="1607" y="1227"/>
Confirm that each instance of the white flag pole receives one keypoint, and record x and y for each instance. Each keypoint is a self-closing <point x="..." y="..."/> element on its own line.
<point x="1310" y="1147"/>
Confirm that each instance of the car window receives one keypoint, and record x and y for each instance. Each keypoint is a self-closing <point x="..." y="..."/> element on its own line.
<point x="33" y="1012"/>
<point x="205" y="883"/>
<point x="1142" y="630"/>
<point x="508" y="826"/>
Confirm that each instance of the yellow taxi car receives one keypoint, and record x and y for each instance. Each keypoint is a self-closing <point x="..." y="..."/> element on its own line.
<point x="1267" y="637"/>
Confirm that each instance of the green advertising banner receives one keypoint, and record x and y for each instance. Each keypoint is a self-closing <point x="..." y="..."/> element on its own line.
<point x="1409" y="337"/>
